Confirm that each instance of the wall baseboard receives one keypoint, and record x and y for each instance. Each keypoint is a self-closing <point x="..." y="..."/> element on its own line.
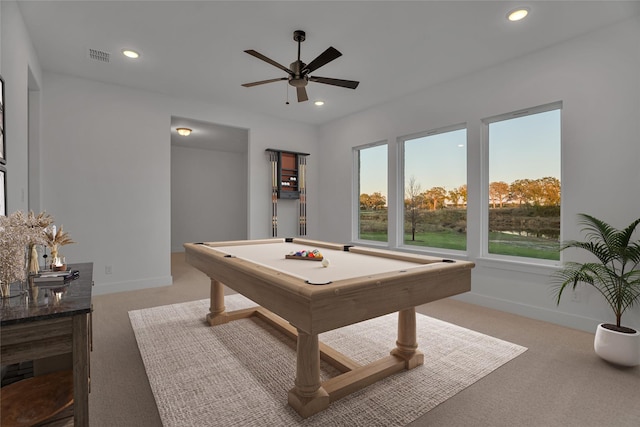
<point x="582" y="323"/>
<point x="113" y="287"/>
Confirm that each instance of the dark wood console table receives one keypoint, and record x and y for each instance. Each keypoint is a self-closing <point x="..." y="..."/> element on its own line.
<point x="52" y="322"/>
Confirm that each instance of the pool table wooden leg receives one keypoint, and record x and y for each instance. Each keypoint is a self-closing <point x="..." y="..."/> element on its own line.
<point x="308" y="397"/>
<point x="216" y="309"/>
<point x="407" y="343"/>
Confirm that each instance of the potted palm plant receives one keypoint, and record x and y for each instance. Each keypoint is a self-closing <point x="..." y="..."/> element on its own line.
<point x="615" y="276"/>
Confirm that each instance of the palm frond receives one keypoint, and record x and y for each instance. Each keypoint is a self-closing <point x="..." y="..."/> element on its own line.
<point x="597" y="230"/>
<point x="627" y="233"/>
<point x="598" y="249"/>
<point x="634" y="253"/>
<point x="613" y="278"/>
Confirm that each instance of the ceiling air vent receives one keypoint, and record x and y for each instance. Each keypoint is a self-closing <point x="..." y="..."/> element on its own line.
<point x="99" y="55"/>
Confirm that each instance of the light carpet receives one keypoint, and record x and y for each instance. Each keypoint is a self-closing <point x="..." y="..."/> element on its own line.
<point x="239" y="374"/>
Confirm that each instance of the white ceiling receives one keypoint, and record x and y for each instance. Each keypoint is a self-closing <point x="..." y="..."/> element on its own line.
<point x="194" y="49"/>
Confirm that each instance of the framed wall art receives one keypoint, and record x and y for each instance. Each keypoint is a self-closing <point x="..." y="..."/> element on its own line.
<point x="3" y="157"/>
<point x="3" y="191"/>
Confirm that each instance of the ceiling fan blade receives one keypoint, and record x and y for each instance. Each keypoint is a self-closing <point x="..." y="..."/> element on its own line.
<point x="302" y="94"/>
<point x="350" y="84"/>
<point x="261" y="82"/>
<point x="324" y="58"/>
<point x="269" y="60"/>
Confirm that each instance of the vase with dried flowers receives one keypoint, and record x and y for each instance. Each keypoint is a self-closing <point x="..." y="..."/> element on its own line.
<point x="56" y="237"/>
<point x="18" y="234"/>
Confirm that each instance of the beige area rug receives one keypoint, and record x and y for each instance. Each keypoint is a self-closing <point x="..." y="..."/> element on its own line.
<point x="239" y="374"/>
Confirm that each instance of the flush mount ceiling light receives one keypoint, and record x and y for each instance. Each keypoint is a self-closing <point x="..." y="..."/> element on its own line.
<point x="518" y="14"/>
<point x="130" y="53"/>
<point x="319" y="103"/>
<point x="183" y="131"/>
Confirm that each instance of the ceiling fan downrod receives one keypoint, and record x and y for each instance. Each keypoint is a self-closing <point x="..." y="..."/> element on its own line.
<point x="299" y="36"/>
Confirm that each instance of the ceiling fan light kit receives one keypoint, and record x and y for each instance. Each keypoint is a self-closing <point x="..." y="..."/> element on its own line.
<point x="299" y="72"/>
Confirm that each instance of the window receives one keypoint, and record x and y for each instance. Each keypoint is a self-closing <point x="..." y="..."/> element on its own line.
<point x="372" y="191"/>
<point x="435" y="189"/>
<point x="524" y="183"/>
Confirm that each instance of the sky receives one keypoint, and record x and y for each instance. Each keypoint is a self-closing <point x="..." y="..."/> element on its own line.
<point x="525" y="147"/>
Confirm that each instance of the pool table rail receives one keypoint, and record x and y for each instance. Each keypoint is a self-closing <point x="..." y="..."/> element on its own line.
<point x="303" y="311"/>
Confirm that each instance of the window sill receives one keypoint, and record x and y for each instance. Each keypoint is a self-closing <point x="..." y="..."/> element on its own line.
<point x="530" y="267"/>
<point x="433" y="252"/>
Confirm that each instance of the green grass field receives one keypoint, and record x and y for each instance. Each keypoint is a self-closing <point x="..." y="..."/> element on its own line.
<point x="499" y="243"/>
<point x="373" y="226"/>
<point x="523" y="246"/>
<point x="447" y="239"/>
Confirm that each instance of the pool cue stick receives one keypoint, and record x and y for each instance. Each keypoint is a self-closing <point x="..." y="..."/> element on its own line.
<point x="302" y="162"/>
<point x="301" y="201"/>
<point x="274" y="193"/>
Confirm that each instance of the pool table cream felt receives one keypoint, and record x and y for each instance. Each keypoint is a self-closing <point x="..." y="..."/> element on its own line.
<point x="360" y="288"/>
<point x="343" y="265"/>
<point x="365" y="283"/>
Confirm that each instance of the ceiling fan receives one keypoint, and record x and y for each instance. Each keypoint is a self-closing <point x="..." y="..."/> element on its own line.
<point x="298" y="72"/>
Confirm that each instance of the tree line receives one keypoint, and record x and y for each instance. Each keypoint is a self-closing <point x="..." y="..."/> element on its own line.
<point x="528" y="192"/>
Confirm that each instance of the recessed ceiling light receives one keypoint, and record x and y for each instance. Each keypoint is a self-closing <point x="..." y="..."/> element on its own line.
<point x="183" y="131"/>
<point x="518" y="14"/>
<point x="130" y="53"/>
<point x="319" y="103"/>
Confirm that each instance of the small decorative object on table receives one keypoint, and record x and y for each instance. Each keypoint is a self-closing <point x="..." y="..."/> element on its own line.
<point x="306" y="255"/>
<point x="53" y="277"/>
<point x="19" y="233"/>
<point x="55" y="238"/>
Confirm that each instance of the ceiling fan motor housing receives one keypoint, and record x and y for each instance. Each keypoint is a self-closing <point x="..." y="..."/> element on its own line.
<point x="297" y="79"/>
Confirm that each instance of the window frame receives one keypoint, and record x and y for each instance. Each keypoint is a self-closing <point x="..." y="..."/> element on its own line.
<point x="401" y="190"/>
<point x="355" y="195"/>
<point x="484" y="190"/>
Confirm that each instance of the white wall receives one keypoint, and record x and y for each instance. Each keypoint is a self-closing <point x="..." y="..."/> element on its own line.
<point x="208" y="196"/>
<point x="105" y="168"/>
<point x="105" y="159"/>
<point x="18" y="57"/>
<point x="106" y="173"/>
<point x="596" y="78"/>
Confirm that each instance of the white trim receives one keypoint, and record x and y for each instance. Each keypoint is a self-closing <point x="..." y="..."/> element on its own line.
<point x="355" y="189"/>
<point x="398" y="225"/>
<point x="556" y="105"/>
<point x="484" y="188"/>
<point x="519" y="264"/>
<point x="355" y="192"/>
<point x="132" y="285"/>
<point x="400" y="141"/>
<point x="436" y="252"/>
<point x="583" y="323"/>
<point x="432" y="132"/>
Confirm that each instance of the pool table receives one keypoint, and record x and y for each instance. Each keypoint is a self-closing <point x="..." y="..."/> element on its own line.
<point x="303" y="298"/>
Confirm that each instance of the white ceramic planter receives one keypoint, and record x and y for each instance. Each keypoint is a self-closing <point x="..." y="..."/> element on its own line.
<point x="617" y="347"/>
